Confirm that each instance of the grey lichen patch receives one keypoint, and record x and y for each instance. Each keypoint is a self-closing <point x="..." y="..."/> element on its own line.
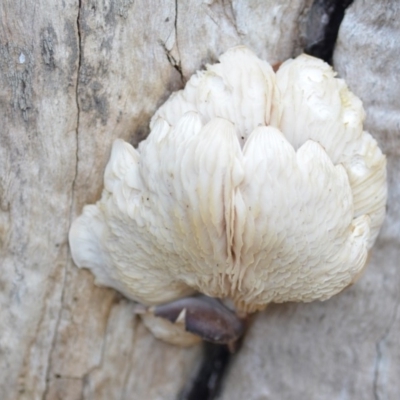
<point x="118" y="8"/>
<point x="109" y="12"/>
<point x="5" y="223"/>
<point x="100" y="103"/>
<point x="122" y="7"/>
<point x="72" y="42"/>
<point x="92" y="96"/>
<point x="16" y="65"/>
<point x="48" y="41"/>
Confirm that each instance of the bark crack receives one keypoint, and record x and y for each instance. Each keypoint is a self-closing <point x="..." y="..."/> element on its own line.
<point x="178" y="65"/>
<point x="379" y="352"/>
<point x="174" y="61"/>
<point x="54" y="339"/>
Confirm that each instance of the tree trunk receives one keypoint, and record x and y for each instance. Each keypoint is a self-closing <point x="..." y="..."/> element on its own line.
<point x="76" y="75"/>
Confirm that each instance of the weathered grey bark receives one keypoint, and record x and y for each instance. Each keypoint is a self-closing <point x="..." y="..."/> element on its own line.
<point x="74" y="76"/>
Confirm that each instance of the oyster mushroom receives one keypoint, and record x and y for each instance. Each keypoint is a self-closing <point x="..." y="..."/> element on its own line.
<point x="252" y="187"/>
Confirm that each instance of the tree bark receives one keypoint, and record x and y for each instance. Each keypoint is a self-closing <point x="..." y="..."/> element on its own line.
<point x="75" y="75"/>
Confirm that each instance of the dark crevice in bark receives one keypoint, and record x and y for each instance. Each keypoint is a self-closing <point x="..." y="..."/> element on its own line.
<point x="78" y="112"/>
<point x="207" y="383"/>
<point x="323" y="25"/>
<point x="78" y="24"/>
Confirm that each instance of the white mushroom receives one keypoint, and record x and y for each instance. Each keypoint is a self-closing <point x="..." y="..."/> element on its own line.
<point x="252" y="186"/>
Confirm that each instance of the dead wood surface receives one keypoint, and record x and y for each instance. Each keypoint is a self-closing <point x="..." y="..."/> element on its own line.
<point x="75" y="75"/>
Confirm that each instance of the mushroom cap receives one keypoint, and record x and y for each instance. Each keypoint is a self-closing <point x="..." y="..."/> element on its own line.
<point x="252" y="185"/>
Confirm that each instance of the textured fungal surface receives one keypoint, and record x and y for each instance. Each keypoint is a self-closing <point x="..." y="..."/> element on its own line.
<point x="253" y="185"/>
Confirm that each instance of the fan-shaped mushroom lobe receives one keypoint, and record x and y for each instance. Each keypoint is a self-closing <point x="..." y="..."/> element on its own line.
<point x="295" y="234"/>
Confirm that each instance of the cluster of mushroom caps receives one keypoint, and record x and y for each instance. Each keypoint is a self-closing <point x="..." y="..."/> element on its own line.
<point x="252" y="187"/>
